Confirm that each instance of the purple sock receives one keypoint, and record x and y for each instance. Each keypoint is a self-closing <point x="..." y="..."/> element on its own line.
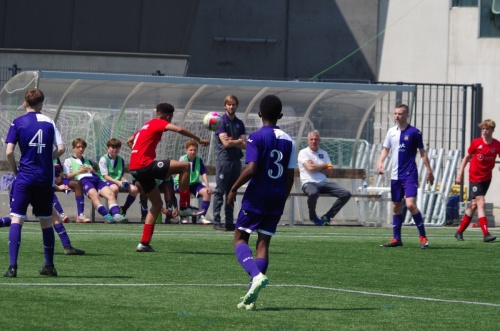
<point x="63" y="235"/>
<point x="57" y="205"/>
<point x="245" y="258"/>
<point x="114" y="209"/>
<point x="204" y="206"/>
<point x="130" y="200"/>
<point x="14" y="242"/>
<point x="102" y="210"/>
<point x="262" y="264"/>
<point x="80" y="204"/>
<point x="397" y="223"/>
<point x="48" y="245"/>
<point x="5" y="222"/>
<point x="419" y="222"/>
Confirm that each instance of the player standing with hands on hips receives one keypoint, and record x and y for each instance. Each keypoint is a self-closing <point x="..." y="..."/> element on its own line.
<point x="482" y="153"/>
<point x="404" y="140"/>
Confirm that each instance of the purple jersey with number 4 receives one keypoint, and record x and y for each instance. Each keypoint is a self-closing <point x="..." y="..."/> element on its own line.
<point x="274" y="152"/>
<point x="36" y="135"/>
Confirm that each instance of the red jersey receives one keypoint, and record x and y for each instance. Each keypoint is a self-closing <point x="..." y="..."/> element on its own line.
<point x="145" y="142"/>
<point x="483" y="159"/>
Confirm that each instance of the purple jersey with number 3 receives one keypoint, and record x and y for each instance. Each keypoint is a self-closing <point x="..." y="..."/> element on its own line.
<point x="274" y="152"/>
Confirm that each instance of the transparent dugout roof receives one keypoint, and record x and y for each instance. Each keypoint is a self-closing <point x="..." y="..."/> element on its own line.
<point x="97" y="107"/>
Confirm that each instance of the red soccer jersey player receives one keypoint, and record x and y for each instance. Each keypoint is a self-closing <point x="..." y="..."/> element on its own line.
<point x="482" y="154"/>
<point x="146" y="169"/>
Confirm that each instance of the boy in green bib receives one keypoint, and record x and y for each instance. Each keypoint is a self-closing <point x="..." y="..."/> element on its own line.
<point x="196" y="187"/>
<point x="111" y="169"/>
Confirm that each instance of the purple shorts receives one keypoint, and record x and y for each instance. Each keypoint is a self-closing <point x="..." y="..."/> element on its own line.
<point x="93" y="182"/>
<point x="194" y="189"/>
<point x="403" y="188"/>
<point x="40" y="197"/>
<point x="265" y="224"/>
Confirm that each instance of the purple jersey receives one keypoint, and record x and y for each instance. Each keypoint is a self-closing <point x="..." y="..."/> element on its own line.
<point x="403" y="145"/>
<point x="274" y="152"/>
<point x="36" y="135"/>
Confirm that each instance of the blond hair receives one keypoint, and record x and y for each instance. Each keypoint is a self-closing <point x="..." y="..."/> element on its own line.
<point x="487" y="123"/>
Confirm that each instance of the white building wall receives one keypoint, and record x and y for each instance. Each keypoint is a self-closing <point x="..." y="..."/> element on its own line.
<point x="429" y="42"/>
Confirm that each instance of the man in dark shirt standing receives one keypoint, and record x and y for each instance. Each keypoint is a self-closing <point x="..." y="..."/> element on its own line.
<point x="230" y="140"/>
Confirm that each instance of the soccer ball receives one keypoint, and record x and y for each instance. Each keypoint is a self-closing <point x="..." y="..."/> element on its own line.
<point x="212" y="121"/>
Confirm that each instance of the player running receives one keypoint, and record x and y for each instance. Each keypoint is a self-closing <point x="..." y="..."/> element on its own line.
<point x="271" y="159"/>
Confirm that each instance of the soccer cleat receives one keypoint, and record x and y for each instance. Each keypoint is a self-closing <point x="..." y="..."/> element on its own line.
<point x="184" y="221"/>
<point x="48" y="270"/>
<point x="143" y="218"/>
<point x="459" y="236"/>
<point x="11" y="272"/>
<point x="424" y="243"/>
<point x="326" y="219"/>
<point x="393" y="243"/>
<point x="219" y="227"/>
<point x="109" y="219"/>
<point x="120" y="218"/>
<point x="190" y="212"/>
<point x="82" y="219"/>
<point x="73" y="251"/>
<point x="488" y="238"/>
<point x="250" y="306"/>
<point x="317" y="221"/>
<point x="122" y="211"/>
<point x="258" y="282"/>
<point x="145" y="248"/>
<point x="64" y="218"/>
<point x="203" y="220"/>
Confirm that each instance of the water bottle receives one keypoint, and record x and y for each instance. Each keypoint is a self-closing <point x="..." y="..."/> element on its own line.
<point x="365" y="188"/>
<point x="126" y="186"/>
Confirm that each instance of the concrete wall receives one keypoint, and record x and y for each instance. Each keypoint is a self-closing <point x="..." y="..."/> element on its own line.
<point x="427" y="41"/>
<point x="94" y="61"/>
<point x="284" y="39"/>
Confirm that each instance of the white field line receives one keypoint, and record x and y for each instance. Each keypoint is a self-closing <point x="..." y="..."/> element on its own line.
<point x="279" y="235"/>
<point x="397" y="296"/>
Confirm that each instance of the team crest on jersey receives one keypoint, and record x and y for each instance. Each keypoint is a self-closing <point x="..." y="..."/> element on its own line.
<point x="493" y="150"/>
<point x="480" y="156"/>
<point x="407" y="137"/>
<point x="321" y="156"/>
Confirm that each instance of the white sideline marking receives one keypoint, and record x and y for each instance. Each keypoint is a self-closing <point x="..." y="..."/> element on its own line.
<point x="239" y="285"/>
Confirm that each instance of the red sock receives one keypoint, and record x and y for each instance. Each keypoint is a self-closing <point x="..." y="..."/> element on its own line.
<point x="483" y="223"/>
<point x="464" y="224"/>
<point x="147" y="233"/>
<point x="184" y="197"/>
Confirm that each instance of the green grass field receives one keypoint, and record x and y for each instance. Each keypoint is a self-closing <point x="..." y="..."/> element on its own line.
<point x="326" y="278"/>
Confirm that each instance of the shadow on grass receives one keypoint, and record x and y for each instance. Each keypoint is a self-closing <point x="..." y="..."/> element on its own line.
<point x="316" y="309"/>
<point x="201" y="253"/>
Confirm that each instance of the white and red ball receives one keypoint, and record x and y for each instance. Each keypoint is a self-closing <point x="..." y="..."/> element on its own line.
<point x="212" y="121"/>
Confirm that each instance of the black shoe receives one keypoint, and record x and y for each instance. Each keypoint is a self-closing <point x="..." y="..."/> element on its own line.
<point x="229" y="227"/>
<point x="219" y="227"/>
<point x="489" y="238"/>
<point x="393" y="243"/>
<point x="48" y="270"/>
<point x="459" y="236"/>
<point x="73" y="251"/>
<point x="11" y="272"/>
